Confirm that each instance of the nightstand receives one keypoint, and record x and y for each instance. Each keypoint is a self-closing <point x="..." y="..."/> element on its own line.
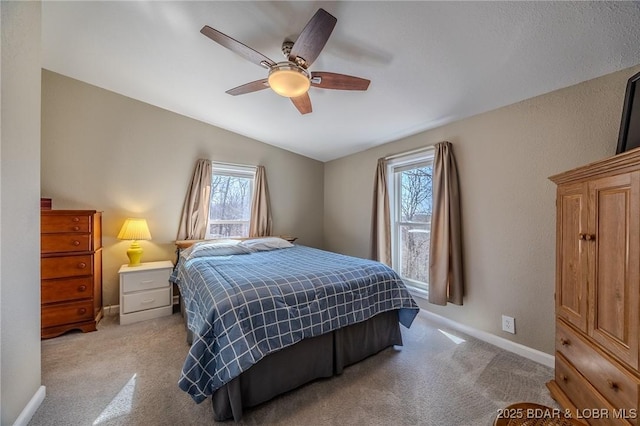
<point x="145" y="291"/>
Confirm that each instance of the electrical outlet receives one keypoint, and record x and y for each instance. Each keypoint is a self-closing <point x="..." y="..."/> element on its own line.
<point x="509" y="324"/>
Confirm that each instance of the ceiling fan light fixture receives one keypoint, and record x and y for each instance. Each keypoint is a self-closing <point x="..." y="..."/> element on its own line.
<point x="289" y="80"/>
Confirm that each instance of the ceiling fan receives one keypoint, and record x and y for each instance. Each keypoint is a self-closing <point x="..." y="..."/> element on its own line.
<point x="292" y="78"/>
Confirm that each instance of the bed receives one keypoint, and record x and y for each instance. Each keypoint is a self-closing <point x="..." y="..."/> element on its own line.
<point x="265" y="316"/>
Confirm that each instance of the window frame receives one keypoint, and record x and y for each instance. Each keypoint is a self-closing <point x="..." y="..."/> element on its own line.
<point x="230" y="170"/>
<point x="395" y="166"/>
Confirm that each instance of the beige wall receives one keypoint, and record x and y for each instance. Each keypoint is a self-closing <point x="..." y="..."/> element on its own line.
<point x="19" y="209"/>
<point x="504" y="158"/>
<point x="104" y="151"/>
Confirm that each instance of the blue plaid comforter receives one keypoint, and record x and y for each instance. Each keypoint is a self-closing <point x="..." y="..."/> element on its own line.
<point x="243" y="307"/>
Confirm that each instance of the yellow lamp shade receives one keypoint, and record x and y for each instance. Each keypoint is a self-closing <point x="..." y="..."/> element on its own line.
<point x="134" y="229"/>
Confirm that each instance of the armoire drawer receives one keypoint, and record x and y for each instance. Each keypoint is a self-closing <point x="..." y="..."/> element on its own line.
<point x="583" y="395"/>
<point x="66" y="266"/>
<point x="64" y="223"/>
<point x="66" y="313"/>
<point x="610" y="379"/>
<point x="62" y="290"/>
<point x="56" y="243"/>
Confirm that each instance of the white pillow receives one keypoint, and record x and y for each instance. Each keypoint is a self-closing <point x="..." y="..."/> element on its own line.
<point x="216" y="248"/>
<point x="266" y="243"/>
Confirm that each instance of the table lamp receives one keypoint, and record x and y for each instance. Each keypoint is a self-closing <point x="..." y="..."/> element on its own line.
<point x="134" y="229"/>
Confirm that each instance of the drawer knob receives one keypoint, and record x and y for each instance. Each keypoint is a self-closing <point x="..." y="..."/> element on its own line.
<point x="76" y="243"/>
<point x="82" y="311"/>
<point x="76" y="219"/>
<point x="564" y="341"/>
<point x="146" y="301"/>
<point x="589" y="237"/>
<point x="82" y="288"/>
<point x="581" y="236"/>
<point x="82" y="265"/>
<point x="76" y="228"/>
<point x="613" y="385"/>
<point x="564" y="378"/>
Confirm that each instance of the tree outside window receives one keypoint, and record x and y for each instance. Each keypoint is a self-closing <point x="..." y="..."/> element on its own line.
<point x="230" y="203"/>
<point x="415" y="223"/>
<point x="411" y="194"/>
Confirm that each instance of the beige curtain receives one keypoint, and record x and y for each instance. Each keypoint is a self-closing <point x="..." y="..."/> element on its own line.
<point x="445" y="251"/>
<point x="195" y="212"/>
<point x="381" y="218"/>
<point x="260" y="225"/>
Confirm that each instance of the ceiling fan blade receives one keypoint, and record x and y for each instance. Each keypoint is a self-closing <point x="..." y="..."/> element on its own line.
<point x="303" y="103"/>
<point x="331" y="80"/>
<point x="313" y="37"/>
<point x="254" y="86"/>
<point x="237" y="47"/>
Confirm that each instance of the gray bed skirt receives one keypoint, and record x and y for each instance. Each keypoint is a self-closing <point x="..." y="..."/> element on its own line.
<point x="307" y="360"/>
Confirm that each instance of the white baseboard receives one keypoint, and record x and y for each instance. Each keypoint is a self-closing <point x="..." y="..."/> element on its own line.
<point x="31" y="408"/>
<point x="522" y="350"/>
<point x="111" y="310"/>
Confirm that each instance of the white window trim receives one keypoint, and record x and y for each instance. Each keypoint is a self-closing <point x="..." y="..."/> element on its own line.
<point x="418" y="292"/>
<point x="231" y="169"/>
<point x="410" y="159"/>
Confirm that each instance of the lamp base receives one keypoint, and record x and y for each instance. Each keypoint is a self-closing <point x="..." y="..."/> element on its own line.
<point x="134" y="253"/>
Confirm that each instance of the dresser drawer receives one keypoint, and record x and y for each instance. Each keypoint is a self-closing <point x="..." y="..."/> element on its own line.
<point x="588" y="401"/>
<point x="616" y="384"/>
<point x="66" y="289"/>
<point x="145" y="280"/>
<point x="66" y="313"/>
<point x="65" y="223"/>
<point x="66" y="266"/>
<point x="56" y="243"/>
<point x="146" y="300"/>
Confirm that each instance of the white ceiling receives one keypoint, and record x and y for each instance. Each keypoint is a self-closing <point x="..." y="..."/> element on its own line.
<point x="429" y="63"/>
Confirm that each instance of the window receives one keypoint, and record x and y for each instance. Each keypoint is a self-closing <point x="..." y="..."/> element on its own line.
<point x="230" y="203"/>
<point x="410" y="194"/>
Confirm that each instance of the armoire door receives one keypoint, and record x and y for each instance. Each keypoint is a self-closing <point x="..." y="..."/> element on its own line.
<point x="571" y="291"/>
<point x="613" y="240"/>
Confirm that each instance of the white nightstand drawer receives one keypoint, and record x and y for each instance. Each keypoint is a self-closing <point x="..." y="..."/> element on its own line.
<point x="146" y="300"/>
<point x="145" y="280"/>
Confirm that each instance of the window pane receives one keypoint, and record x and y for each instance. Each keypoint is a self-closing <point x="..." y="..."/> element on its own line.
<point x="230" y="208"/>
<point x="414" y="252"/>
<point x="416" y="195"/>
<point x="413" y="222"/>
<point x="225" y="230"/>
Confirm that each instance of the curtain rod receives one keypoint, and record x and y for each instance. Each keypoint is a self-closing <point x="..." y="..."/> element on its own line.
<point x="414" y="151"/>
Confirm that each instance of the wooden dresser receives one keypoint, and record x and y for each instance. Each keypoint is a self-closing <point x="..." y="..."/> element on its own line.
<point x="71" y="270"/>
<point x="598" y="290"/>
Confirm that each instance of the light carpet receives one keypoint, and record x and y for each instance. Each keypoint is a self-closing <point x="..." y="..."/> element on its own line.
<point x="127" y="375"/>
